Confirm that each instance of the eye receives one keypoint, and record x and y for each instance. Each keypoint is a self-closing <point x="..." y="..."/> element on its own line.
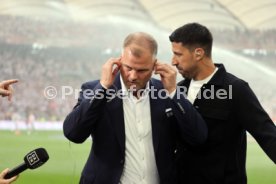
<point x="128" y="68"/>
<point x="142" y="71"/>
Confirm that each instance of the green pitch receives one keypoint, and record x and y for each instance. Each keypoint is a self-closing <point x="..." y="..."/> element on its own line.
<point x="67" y="159"/>
<point x="63" y="167"/>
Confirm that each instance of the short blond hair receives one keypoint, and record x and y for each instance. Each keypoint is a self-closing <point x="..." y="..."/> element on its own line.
<point x="141" y="39"/>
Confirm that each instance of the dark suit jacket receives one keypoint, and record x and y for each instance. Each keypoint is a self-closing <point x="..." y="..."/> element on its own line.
<point x="103" y="119"/>
<point x="221" y="160"/>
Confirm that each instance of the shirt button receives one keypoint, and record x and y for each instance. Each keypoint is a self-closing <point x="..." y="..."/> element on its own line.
<point x="121" y="161"/>
<point x="197" y="107"/>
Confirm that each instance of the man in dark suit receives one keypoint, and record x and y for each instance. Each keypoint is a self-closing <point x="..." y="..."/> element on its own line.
<point x="227" y="104"/>
<point x="134" y="120"/>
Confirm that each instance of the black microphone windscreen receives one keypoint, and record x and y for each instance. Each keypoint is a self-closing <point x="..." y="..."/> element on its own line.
<point x="36" y="158"/>
<point x="32" y="160"/>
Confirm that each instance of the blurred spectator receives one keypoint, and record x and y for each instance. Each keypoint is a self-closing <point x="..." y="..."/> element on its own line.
<point x="59" y="53"/>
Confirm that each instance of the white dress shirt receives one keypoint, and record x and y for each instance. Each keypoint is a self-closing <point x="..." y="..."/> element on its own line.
<point x="140" y="165"/>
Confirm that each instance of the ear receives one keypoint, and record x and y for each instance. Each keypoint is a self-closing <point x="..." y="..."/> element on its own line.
<point x="199" y="53"/>
<point x="155" y="61"/>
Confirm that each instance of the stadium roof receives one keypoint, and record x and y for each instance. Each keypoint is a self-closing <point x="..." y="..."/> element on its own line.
<point x="169" y="14"/>
<point x="246" y="14"/>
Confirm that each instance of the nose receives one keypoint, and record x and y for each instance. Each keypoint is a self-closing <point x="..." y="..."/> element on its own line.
<point x="174" y="62"/>
<point x="132" y="75"/>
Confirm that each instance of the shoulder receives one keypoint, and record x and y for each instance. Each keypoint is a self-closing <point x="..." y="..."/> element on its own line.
<point x="240" y="89"/>
<point x="223" y="77"/>
<point x="231" y="79"/>
<point x="90" y="84"/>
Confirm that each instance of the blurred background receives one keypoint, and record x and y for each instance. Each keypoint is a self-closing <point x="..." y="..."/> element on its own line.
<point x="63" y="43"/>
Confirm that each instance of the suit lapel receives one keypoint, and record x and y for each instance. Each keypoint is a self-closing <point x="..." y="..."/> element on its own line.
<point x="115" y="109"/>
<point x="156" y="107"/>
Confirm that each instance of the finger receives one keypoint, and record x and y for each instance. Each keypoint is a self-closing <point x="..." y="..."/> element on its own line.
<point x="167" y="69"/>
<point x="113" y="63"/>
<point x="162" y="69"/>
<point x="160" y="66"/>
<point x="12" y="179"/>
<point x="115" y="60"/>
<point x="161" y="73"/>
<point x="9" y="82"/>
<point x="116" y="69"/>
<point x="4" y="92"/>
<point x="4" y="172"/>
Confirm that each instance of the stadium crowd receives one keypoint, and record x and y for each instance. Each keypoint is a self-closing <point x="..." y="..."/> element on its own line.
<point x="43" y="53"/>
<point x="36" y="72"/>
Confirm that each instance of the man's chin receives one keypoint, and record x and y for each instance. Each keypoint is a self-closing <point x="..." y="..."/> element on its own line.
<point x="185" y="75"/>
<point x="133" y="87"/>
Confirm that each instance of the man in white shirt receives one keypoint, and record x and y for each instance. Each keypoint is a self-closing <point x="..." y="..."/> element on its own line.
<point x="135" y="121"/>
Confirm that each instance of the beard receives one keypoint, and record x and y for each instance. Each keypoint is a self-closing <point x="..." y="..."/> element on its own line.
<point x="188" y="73"/>
<point x="185" y="74"/>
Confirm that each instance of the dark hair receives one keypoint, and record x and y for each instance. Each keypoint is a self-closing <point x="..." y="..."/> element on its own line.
<point x="192" y="36"/>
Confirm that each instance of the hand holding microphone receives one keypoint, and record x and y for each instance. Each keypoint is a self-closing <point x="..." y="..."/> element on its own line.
<point x="32" y="160"/>
<point x="6" y="181"/>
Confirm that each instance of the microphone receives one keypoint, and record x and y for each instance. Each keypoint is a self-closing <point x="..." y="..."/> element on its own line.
<point x="32" y="160"/>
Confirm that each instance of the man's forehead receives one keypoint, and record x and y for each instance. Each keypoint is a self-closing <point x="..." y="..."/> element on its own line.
<point x="135" y="51"/>
<point x="136" y="67"/>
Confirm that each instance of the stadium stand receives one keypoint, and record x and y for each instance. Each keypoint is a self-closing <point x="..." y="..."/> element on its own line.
<point x="63" y="43"/>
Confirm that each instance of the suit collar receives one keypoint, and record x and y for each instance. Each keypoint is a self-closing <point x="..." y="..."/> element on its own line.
<point x="117" y="82"/>
<point x="219" y="76"/>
